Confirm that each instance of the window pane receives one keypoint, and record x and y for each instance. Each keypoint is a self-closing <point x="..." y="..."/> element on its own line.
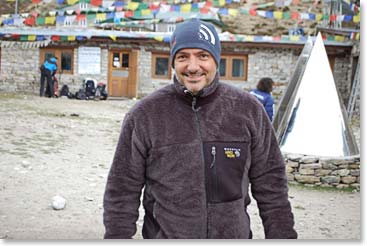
<point x="66" y="61"/>
<point x="237" y="68"/>
<point x="222" y="67"/>
<point x="161" y="66"/>
<point x="116" y="60"/>
<point x="125" y="60"/>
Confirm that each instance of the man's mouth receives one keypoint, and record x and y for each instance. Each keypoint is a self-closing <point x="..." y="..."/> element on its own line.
<point x="193" y="77"/>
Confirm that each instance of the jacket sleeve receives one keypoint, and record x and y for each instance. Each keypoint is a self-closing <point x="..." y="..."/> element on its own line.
<point x="268" y="180"/>
<point x="124" y="184"/>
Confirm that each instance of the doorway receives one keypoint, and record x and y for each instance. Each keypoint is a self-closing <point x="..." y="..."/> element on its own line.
<point x="122" y="73"/>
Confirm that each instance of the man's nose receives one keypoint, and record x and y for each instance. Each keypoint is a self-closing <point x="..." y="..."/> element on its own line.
<point x="193" y="64"/>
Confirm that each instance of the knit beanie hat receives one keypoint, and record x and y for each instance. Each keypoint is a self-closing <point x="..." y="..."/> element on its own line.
<point x="195" y="34"/>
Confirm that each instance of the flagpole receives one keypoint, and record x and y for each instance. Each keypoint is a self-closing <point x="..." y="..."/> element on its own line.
<point x="16" y="7"/>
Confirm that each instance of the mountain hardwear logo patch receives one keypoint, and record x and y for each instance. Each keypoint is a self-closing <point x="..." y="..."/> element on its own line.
<point x="232" y="152"/>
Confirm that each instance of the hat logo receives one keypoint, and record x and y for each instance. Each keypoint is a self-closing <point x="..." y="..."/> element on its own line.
<point x="206" y="33"/>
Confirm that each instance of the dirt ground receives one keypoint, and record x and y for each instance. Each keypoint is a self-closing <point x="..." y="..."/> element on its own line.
<point x="65" y="147"/>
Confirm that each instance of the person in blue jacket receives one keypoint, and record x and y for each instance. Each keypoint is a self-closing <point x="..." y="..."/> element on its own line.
<point x="263" y="93"/>
<point x="48" y="69"/>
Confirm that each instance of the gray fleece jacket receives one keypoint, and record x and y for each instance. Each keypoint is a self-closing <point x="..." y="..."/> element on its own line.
<point x="196" y="158"/>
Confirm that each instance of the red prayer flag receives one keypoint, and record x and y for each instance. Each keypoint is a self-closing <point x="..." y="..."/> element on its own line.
<point x="208" y="4"/>
<point x="204" y="10"/>
<point x="80" y="17"/>
<point x="55" y="38"/>
<point x="30" y="21"/>
<point x="294" y="15"/>
<point x="332" y="17"/>
<point x="252" y="12"/>
<point x="96" y="2"/>
<point x="36" y="1"/>
<point x="129" y="14"/>
<point x="15" y="35"/>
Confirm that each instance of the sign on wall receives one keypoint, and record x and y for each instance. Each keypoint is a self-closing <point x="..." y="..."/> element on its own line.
<point x="89" y="60"/>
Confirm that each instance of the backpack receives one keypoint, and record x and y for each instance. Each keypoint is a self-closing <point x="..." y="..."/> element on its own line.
<point x="81" y="95"/>
<point x="64" y="91"/>
<point x="101" y="92"/>
<point x="90" y="89"/>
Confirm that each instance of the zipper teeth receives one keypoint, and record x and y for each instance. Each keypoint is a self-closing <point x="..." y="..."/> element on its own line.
<point x="202" y="159"/>
<point x="215" y="177"/>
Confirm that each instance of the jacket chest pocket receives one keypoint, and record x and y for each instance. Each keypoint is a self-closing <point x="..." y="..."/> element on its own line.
<point x="224" y="167"/>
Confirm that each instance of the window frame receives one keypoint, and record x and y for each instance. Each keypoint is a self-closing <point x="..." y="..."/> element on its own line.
<point x="58" y="53"/>
<point x="229" y="67"/>
<point x="154" y="62"/>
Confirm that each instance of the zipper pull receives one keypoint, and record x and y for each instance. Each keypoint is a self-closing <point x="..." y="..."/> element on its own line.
<point x="193" y="104"/>
<point x="213" y="154"/>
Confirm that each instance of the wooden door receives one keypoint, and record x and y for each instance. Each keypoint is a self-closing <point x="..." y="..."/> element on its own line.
<point x="118" y="74"/>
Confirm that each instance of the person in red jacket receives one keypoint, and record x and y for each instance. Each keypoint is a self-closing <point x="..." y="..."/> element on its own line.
<point x="197" y="147"/>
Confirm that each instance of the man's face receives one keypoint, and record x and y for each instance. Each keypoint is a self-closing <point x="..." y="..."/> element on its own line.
<point x="195" y="68"/>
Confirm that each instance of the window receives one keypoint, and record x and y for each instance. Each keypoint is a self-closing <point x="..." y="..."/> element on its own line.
<point x="233" y="67"/>
<point x="161" y="67"/>
<point x="64" y="56"/>
<point x="171" y="27"/>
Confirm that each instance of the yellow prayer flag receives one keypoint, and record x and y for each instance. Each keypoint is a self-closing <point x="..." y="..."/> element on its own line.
<point x="31" y="37"/>
<point x="185" y="8"/>
<point x="101" y="16"/>
<point x="249" y="38"/>
<point x="278" y="15"/>
<point x="112" y="37"/>
<point x="132" y="5"/>
<point x="222" y="2"/>
<point x="50" y="20"/>
<point x="319" y="17"/>
<point x="294" y="38"/>
<point x="233" y="12"/>
<point x="72" y="2"/>
<point x="159" y="38"/>
<point x="71" y="38"/>
<point x="357" y="18"/>
<point x="339" y="38"/>
<point x="357" y="36"/>
<point x="146" y="12"/>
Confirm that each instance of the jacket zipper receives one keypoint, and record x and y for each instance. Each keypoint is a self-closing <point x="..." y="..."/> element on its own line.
<point x="213" y="167"/>
<point x="196" y="110"/>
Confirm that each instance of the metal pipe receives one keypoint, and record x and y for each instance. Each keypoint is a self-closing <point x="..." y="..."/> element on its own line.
<point x="16" y="7"/>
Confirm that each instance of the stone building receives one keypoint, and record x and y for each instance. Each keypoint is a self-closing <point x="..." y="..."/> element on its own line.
<point x="135" y="64"/>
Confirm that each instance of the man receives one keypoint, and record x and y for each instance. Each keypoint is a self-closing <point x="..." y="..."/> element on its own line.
<point x="195" y="146"/>
<point x="48" y="69"/>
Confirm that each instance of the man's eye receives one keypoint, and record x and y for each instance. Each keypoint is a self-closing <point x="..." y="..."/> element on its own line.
<point x="180" y="57"/>
<point x="204" y="56"/>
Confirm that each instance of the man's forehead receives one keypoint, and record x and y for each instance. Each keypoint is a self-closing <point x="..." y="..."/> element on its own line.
<point x="194" y="50"/>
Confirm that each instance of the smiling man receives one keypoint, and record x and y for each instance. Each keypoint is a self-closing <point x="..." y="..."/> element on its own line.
<point x="195" y="146"/>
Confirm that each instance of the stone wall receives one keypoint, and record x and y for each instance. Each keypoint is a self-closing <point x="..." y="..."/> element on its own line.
<point x="340" y="172"/>
<point x="19" y="69"/>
